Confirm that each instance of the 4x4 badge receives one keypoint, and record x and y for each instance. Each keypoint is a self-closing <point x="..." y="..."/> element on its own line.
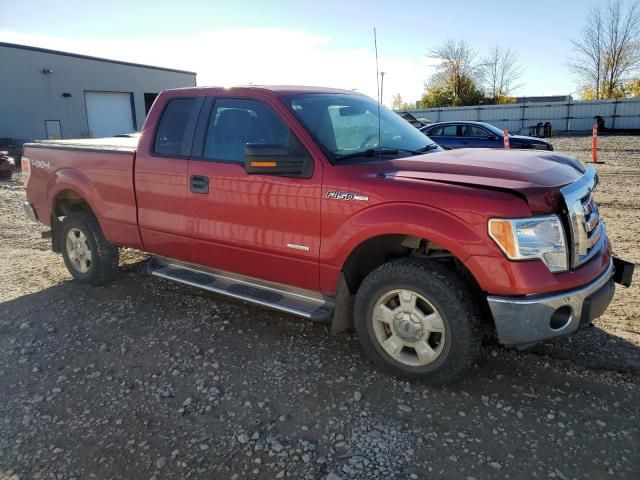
<point x="347" y="196"/>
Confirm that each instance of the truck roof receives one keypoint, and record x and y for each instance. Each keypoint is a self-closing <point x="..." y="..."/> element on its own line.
<point x="278" y="90"/>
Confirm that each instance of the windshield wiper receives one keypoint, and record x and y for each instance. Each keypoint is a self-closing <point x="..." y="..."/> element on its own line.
<point x="428" y="148"/>
<point x="370" y="152"/>
<point x="374" y="152"/>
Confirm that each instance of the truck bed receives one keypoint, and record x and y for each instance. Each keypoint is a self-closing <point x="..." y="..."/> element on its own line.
<point x="97" y="170"/>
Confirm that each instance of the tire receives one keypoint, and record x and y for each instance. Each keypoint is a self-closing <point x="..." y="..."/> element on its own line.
<point x="443" y="317"/>
<point x="87" y="255"/>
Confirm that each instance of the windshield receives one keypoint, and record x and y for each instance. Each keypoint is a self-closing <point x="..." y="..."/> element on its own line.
<point x="495" y="130"/>
<point x="346" y="126"/>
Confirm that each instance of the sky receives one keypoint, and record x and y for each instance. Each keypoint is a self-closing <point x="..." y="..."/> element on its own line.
<point x="323" y="43"/>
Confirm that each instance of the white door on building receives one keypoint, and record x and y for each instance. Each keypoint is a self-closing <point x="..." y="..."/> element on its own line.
<point x="109" y="113"/>
<point x="53" y="128"/>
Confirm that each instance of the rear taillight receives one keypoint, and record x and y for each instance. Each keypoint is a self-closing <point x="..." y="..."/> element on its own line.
<point x="26" y="170"/>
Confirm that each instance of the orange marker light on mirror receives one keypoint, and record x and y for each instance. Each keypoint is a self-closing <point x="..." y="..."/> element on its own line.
<point x="264" y="164"/>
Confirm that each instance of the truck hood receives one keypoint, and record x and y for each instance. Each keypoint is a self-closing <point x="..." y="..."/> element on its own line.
<point x="536" y="176"/>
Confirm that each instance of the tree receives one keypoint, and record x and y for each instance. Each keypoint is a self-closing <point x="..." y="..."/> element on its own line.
<point x="607" y="52"/>
<point x="501" y="73"/>
<point x="398" y="104"/>
<point x="589" y="51"/>
<point x="459" y="73"/>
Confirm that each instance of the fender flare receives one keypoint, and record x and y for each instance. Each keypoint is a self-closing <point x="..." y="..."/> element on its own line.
<point x="68" y="179"/>
<point x="462" y="238"/>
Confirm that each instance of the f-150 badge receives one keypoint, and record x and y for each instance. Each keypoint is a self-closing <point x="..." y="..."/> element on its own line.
<point x="347" y="196"/>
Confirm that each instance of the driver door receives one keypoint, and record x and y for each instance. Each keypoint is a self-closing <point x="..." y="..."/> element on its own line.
<point x="478" y="137"/>
<point x="260" y="225"/>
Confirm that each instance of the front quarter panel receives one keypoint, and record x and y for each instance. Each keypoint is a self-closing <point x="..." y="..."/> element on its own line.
<point x="453" y="216"/>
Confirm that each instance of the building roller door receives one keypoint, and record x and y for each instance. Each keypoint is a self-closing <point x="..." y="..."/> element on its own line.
<point x="109" y="113"/>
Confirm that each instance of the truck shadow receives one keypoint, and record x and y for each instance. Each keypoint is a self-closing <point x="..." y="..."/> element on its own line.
<point x="142" y="357"/>
<point x="138" y="311"/>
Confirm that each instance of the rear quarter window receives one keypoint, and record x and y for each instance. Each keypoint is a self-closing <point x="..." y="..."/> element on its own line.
<point x="175" y="129"/>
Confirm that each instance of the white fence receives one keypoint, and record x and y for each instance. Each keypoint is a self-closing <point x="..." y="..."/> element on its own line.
<point x="566" y="116"/>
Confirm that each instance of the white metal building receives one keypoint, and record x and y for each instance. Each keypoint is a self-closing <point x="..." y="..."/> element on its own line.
<point x="52" y="94"/>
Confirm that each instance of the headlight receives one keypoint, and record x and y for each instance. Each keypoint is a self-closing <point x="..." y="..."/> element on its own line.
<point x="530" y="238"/>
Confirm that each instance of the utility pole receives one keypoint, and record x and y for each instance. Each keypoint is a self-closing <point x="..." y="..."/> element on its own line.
<point x="382" y="74"/>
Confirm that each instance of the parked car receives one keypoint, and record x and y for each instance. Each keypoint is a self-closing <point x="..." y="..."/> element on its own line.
<point x="7" y="166"/>
<point x="323" y="204"/>
<point x="478" y="135"/>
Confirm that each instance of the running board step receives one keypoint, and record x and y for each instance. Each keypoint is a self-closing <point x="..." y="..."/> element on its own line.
<point x="304" y="303"/>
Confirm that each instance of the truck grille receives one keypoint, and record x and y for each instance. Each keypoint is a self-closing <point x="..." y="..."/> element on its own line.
<point x="592" y="223"/>
<point x="585" y="227"/>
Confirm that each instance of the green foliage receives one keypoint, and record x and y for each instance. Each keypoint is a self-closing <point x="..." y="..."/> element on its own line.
<point x="630" y="88"/>
<point x="434" y="97"/>
<point x="503" y="100"/>
<point x="441" y="94"/>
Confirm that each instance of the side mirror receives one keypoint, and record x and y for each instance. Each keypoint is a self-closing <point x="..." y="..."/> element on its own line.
<point x="281" y="160"/>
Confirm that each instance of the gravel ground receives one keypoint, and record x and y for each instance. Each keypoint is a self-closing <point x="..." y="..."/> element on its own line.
<point x="149" y="379"/>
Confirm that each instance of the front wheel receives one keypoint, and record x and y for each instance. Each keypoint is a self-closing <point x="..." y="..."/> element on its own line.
<point x="87" y="254"/>
<point x="416" y="319"/>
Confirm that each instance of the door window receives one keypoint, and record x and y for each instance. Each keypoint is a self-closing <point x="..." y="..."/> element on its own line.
<point x="235" y="122"/>
<point x="444" y="131"/>
<point x="473" y="131"/>
<point x="175" y="130"/>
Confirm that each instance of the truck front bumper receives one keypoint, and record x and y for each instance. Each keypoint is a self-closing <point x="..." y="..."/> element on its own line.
<point x="521" y="321"/>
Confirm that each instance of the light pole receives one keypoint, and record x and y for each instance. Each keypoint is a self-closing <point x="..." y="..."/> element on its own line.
<point x="381" y="84"/>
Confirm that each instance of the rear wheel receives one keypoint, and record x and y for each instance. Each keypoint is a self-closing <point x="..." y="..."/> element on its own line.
<point x="416" y="319"/>
<point x="88" y="256"/>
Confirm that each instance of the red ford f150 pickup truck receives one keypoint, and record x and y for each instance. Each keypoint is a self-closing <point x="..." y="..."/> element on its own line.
<point x="321" y="203"/>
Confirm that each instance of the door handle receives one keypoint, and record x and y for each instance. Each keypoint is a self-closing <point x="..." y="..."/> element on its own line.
<point x="199" y="184"/>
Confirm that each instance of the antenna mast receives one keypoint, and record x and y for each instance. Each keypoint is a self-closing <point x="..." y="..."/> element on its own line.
<point x="375" y="45"/>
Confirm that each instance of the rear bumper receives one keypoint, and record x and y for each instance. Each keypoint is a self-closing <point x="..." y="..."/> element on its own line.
<point x="528" y="320"/>
<point x="30" y="212"/>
